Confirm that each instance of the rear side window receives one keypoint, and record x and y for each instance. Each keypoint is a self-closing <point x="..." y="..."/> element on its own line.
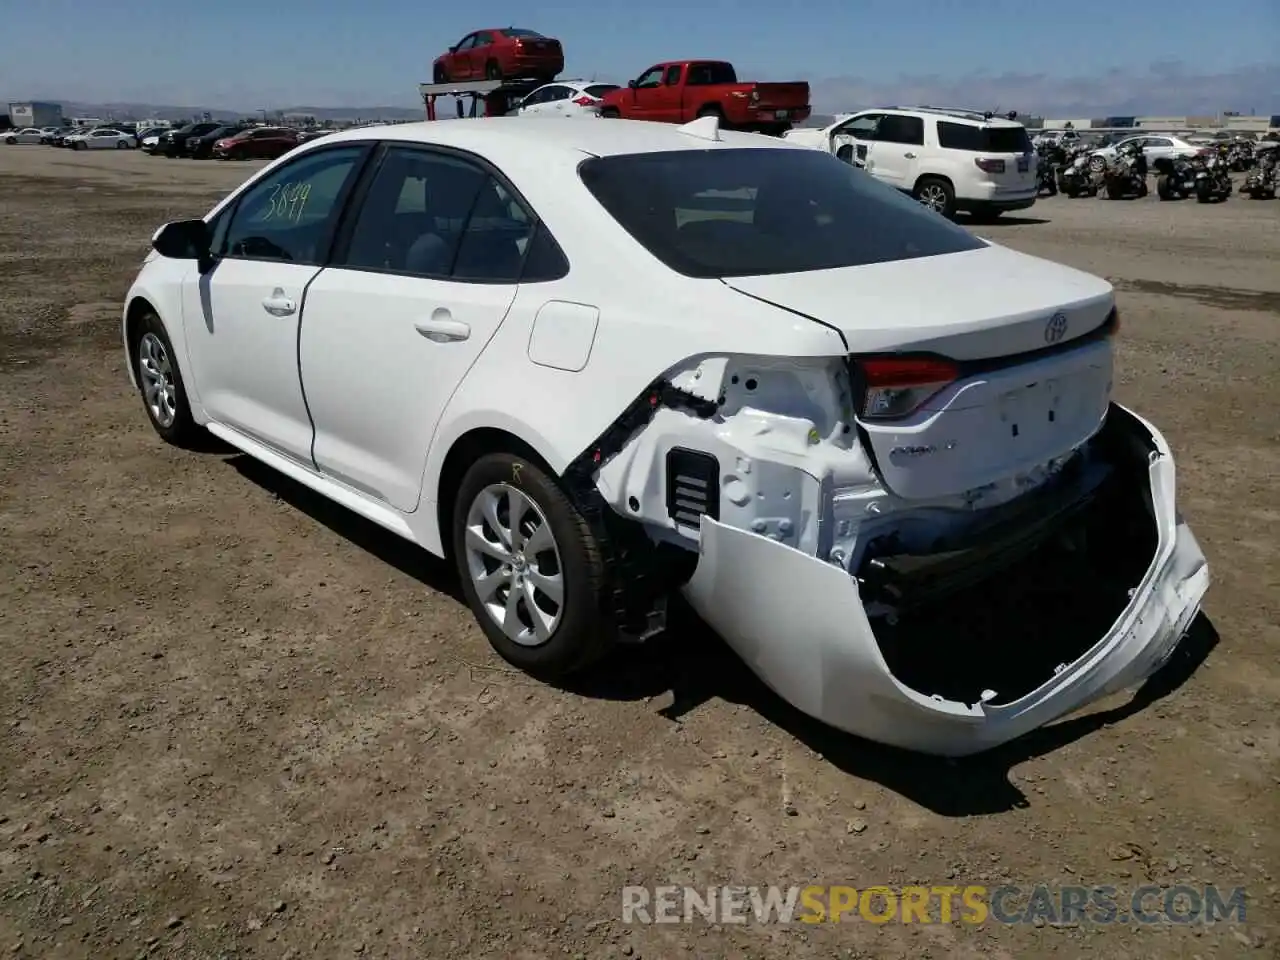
<point x="963" y="136"/>
<point x="752" y="211"/>
<point x="599" y="89"/>
<point x="709" y="74"/>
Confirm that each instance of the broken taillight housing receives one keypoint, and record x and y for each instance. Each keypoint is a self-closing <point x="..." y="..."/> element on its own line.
<point x="895" y="387"/>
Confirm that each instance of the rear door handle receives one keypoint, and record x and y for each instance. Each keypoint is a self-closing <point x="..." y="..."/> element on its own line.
<point x="442" y="328"/>
<point x="278" y="305"/>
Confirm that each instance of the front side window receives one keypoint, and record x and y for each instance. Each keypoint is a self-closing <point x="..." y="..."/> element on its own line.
<point x="753" y="211"/>
<point x="863" y="127"/>
<point x="650" y="78"/>
<point x="290" y="215"/>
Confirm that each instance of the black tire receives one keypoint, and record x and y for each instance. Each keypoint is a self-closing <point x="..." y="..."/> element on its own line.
<point x="11" y="141"/>
<point x="610" y="113"/>
<point x="1164" y="189"/>
<point x="710" y="110"/>
<point x="183" y="431"/>
<point x="927" y="187"/>
<point x="121" y="145"/>
<point x="492" y="71"/>
<point x="584" y="632"/>
<point x="1115" y="190"/>
<point x="439" y="74"/>
<point x="1204" y="193"/>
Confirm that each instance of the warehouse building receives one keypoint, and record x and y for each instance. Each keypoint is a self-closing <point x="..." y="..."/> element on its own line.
<point x="35" y="113"/>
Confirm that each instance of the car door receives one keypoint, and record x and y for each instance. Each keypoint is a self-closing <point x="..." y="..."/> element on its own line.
<point x="538" y="103"/>
<point x="647" y="93"/>
<point x="459" y="60"/>
<point x="895" y="155"/>
<point x="1157" y="147"/>
<point x="669" y="96"/>
<point x="480" y="54"/>
<point x="419" y="284"/>
<point x="852" y="141"/>
<point x="241" y="317"/>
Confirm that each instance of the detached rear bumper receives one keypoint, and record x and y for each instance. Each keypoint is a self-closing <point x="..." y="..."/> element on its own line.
<point x="799" y="623"/>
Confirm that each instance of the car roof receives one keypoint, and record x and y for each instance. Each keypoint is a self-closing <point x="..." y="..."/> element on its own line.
<point x="592" y="136"/>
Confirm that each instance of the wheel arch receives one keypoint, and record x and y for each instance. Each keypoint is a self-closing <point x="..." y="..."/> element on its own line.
<point x="469" y="446"/>
<point x="933" y="176"/>
<point x="139" y="305"/>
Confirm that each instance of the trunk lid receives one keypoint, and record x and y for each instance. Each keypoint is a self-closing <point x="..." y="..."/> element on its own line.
<point x="1023" y="395"/>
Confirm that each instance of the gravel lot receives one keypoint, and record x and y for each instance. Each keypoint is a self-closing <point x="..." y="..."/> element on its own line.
<point x="235" y="721"/>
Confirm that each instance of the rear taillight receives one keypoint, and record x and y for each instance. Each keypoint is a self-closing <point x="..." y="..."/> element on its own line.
<point x="990" y="166"/>
<point x="584" y="101"/>
<point x="894" y="387"/>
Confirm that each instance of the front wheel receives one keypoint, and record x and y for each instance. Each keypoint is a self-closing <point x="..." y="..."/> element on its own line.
<point x="121" y="145"/>
<point x="439" y="74"/>
<point x="531" y="568"/>
<point x="160" y="383"/>
<point x="11" y="140"/>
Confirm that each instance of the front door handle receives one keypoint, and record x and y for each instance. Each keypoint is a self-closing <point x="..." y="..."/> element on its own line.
<point x="278" y="305"/>
<point x="909" y="155"/>
<point x="442" y="328"/>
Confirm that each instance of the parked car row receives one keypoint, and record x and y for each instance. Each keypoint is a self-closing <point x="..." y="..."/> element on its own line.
<point x="99" y="138"/>
<point x="224" y="141"/>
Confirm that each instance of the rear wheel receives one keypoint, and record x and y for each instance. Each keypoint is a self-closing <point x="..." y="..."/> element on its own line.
<point x="1164" y="189"/>
<point x="611" y="113"/>
<point x="531" y="568"/>
<point x="492" y="70"/>
<point x="121" y="145"/>
<point x="936" y="194"/>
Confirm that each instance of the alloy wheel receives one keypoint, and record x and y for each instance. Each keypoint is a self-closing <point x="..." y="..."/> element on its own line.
<point x="514" y="564"/>
<point x="156" y="373"/>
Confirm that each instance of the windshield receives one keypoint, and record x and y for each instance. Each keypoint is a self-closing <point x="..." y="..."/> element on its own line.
<point x="750" y="212"/>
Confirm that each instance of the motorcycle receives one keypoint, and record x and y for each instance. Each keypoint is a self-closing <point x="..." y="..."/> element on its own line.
<point x="1240" y="155"/>
<point x="1052" y="159"/>
<point x="1261" y="182"/>
<point x="1126" y="176"/>
<point x="1077" y="178"/>
<point x="1175" y="178"/>
<point x="1213" y="182"/>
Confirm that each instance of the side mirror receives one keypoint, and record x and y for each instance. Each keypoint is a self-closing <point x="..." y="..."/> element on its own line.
<point x="633" y="84"/>
<point x="454" y="48"/>
<point x="183" y="240"/>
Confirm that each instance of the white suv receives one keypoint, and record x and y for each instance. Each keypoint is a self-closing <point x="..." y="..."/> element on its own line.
<point x="949" y="160"/>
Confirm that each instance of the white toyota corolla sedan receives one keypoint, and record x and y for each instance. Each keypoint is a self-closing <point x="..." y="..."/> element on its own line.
<point x="596" y="364"/>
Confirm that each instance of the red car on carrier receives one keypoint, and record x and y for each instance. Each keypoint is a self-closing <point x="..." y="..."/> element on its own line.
<point x="500" y="54"/>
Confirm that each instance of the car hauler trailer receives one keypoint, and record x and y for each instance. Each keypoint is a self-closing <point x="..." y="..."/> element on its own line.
<point x="489" y="98"/>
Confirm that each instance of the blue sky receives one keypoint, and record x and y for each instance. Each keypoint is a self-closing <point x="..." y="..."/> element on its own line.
<point x="1096" y="56"/>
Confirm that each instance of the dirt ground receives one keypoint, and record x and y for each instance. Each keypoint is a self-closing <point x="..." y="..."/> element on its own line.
<point x="235" y="721"/>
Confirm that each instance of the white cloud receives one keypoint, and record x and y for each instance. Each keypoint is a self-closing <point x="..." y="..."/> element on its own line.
<point x="1165" y="87"/>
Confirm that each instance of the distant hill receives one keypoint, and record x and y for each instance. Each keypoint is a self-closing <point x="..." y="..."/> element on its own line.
<point x="142" y="111"/>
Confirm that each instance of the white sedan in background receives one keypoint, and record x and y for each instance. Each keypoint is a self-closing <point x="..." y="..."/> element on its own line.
<point x="1154" y="147"/>
<point x="101" y="139"/>
<point x="878" y="454"/>
<point x="564" y="98"/>
<point x="25" y="135"/>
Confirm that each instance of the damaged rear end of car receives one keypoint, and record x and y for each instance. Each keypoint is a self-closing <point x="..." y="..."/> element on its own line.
<point x="944" y="538"/>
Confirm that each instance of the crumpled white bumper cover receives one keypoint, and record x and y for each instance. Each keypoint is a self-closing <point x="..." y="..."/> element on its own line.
<point x="800" y="626"/>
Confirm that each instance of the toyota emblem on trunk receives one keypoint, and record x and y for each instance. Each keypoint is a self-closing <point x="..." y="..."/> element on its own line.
<point x="1056" y="328"/>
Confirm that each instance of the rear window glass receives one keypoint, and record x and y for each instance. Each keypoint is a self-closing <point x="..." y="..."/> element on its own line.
<point x="522" y="34"/>
<point x="708" y="74"/>
<point x="962" y="136"/>
<point x="600" y="89"/>
<point x="749" y="212"/>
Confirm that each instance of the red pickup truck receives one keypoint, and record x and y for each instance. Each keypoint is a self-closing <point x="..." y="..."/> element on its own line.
<point x="684" y="90"/>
